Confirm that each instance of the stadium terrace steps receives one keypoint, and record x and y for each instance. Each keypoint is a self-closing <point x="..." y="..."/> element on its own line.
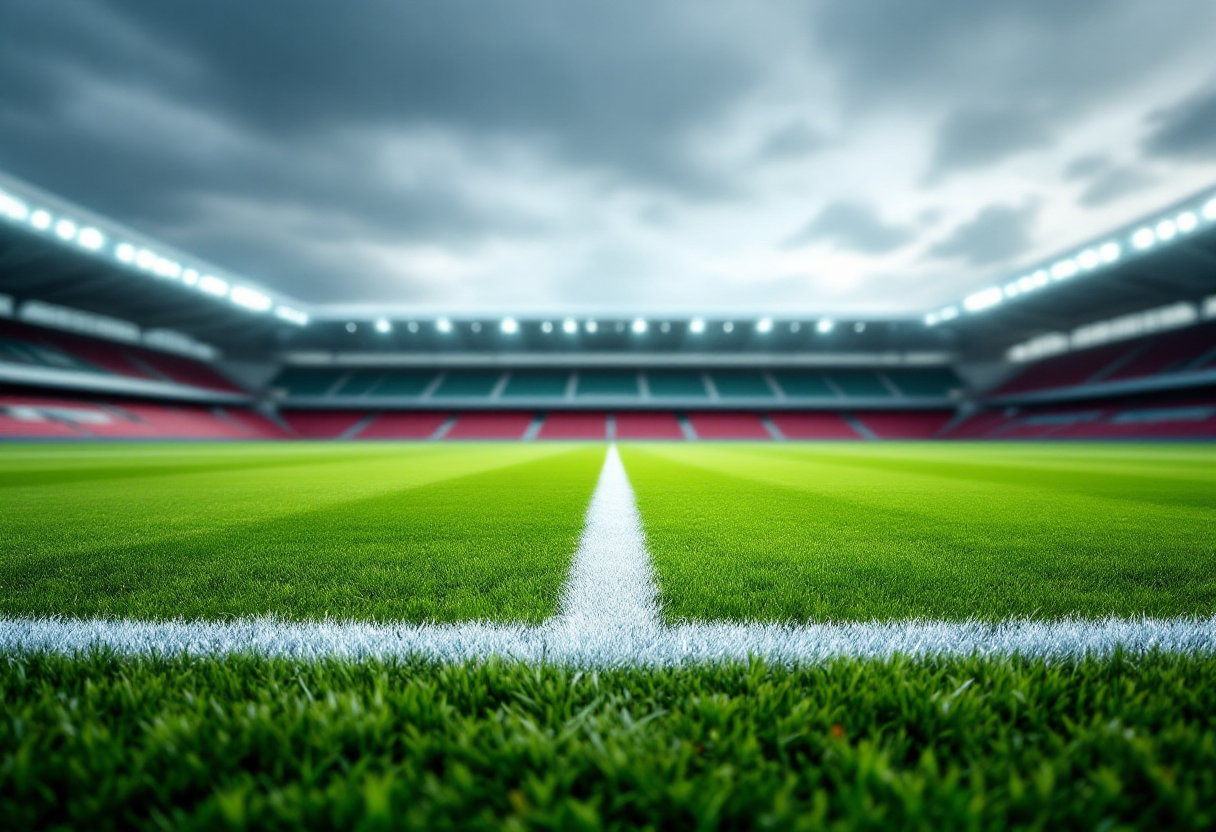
<point x="725" y="425"/>
<point x="578" y="424"/>
<point x="910" y="425"/>
<point x="644" y="425"/>
<point x="490" y="425"/>
<point x="813" y="425"/>
<point x="321" y="424"/>
<point x="416" y="425"/>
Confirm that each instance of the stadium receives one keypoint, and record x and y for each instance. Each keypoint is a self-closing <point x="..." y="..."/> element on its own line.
<point x="314" y="519"/>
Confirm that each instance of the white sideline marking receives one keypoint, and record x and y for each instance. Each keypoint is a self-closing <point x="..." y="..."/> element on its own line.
<point x="609" y="615"/>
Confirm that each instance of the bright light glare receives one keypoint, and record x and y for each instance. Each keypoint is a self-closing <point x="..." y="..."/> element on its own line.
<point x="40" y="219"/>
<point x="1064" y="269"/>
<point x="125" y="252"/>
<point x="91" y="238"/>
<point x="145" y="259"/>
<point x="825" y="326"/>
<point x="383" y="326"/>
<point x="983" y="300"/>
<point x="509" y="326"/>
<point x="1187" y="222"/>
<point x="592" y="327"/>
<point x="168" y="268"/>
<point x="412" y="326"/>
<point x="12" y="207"/>
<point x="1089" y="259"/>
<point x="949" y="313"/>
<point x="1110" y="252"/>
<point x="638" y="326"/>
<point x="570" y="326"/>
<point x="696" y="326"/>
<point x="1166" y="230"/>
<point x="190" y="277"/>
<point x="212" y="285"/>
<point x="65" y="229"/>
<point x="795" y="327"/>
<point x="1144" y="238"/>
<point x="443" y="325"/>
<point x="292" y="316"/>
<point x="764" y="326"/>
<point x="250" y="299"/>
<point x="728" y="327"/>
<point x="1209" y="210"/>
<point x="546" y="327"/>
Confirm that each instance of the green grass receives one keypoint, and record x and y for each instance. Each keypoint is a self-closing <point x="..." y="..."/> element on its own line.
<point x="97" y="742"/>
<point x="412" y="532"/>
<point x="892" y="531"/>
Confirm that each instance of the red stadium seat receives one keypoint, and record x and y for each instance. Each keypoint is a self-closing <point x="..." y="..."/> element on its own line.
<point x="814" y="425"/>
<point x="489" y="425"/>
<point x="642" y="425"/>
<point x="412" y="425"/>
<point x="714" y="425"/>
<point x="574" y="425"/>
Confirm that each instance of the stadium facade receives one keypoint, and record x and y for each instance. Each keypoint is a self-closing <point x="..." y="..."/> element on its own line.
<point x="107" y="333"/>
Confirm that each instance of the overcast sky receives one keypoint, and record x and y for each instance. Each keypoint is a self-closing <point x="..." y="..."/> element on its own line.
<point x="583" y="155"/>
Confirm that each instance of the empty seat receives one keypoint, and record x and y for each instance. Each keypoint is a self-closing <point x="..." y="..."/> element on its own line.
<point x="732" y="384"/>
<point x="321" y="424"/>
<point x="489" y="425"/>
<point x="648" y="425"/>
<point x="713" y="425"/>
<point x="574" y="425"/>
<point x="859" y="383"/>
<point x="925" y="383"/>
<point x="462" y="384"/>
<point x="676" y="384"/>
<point x="414" y="425"/>
<point x="307" y="381"/>
<point x="892" y="424"/>
<point x="616" y="383"/>
<point x="540" y="384"/>
<point x="813" y="425"/>
<point x="405" y="383"/>
<point x="803" y="384"/>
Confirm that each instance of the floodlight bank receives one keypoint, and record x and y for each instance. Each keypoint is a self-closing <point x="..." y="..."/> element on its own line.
<point x="609" y="616"/>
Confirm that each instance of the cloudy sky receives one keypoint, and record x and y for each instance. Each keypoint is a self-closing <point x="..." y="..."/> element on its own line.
<point x="859" y="156"/>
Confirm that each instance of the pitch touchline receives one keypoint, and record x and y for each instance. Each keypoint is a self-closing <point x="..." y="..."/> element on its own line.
<point x="609" y="614"/>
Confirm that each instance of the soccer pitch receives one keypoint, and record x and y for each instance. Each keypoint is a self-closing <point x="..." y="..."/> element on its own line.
<point x="534" y="635"/>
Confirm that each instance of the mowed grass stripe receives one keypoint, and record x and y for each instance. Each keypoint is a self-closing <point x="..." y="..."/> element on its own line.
<point x="747" y="533"/>
<point x="412" y="540"/>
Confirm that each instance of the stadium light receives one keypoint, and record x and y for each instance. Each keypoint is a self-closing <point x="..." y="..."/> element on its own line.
<point x="190" y="277"/>
<point x="764" y="326"/>
<point x="1089" y="259"/>
<point x="65" y="230"/>
<point x="1187" y="222"/>
<point x="412" y="326"/>
<point x="728" y="327"/>
<point x="859" y="327"/>
<point x="475" y="326"/>
<point x="592" y="327"/>
<point x="383" y="326"/>
<point x="949" y="313"/>
<point x="696" y="326"/>
<point x="13" y="208"/>
<point x="570" y="326"/>
<point x="665" y="327"/>
<point x="169" y="268"/>
<point x="250" y="299"/>
<point x="352" y="327"/>
<point x="145" y="259"/>
<point x="824" y="326"/>
<point x="1110" y="252"/>
<point x="1012" y="290"/>
<point x="292" y="316"/>
<point x="1209" y="210"/>
<point x="212" y="285"/>
<point x="638" y="326"/>
<point x="983" y="300"/>
<point x="795" y="327"/>
<point x="1063" y="269"/>
<point x="91" y="238"/>
<point x="443" y="325"/>
<point x="41" y="219"/>
<point x="1039" y="279"/>
<point x="125" y="252"/>
<point x="509" y="326"/>
<point x="932" y="319"/>
<point x="1144" y="238"/>
<point x="1166" y="230"/>
<point x="546" y="327"/>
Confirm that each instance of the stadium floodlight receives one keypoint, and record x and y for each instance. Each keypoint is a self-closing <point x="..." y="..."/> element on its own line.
<point x="825" y="326"/>
<point x="546" y="327"/>
<point x="292" y="316"/>
<point x="592" y="327"/>
<point x="665" y="327"/>
<point x="412" y="326"/>
<point x="728" y="327"/>
<point x="1063" y="269"/>
<point x="638" y="326"/>
<point x="250" y="299"/>
<point x="212" y="285"/>
<point x="91" y="238"/>
<point x="352" y="327"/>
<point x="1166" y="230"/>
<point x="1089" y="259"/>
<point x="1144" y="238"/>
<point x="1187" y="222"/>
<point x="1110" y="252"/>
<point x="859" y="327"/>
<point x="1039" y="279"/>
<point x="65" y="230"/>
<point x="949" y="313"/>
<point x="475" y="326"/>
<point x="509" y="326"/>
<point x="1011" y="290"/>
<point x="764" y="326"/>
<point x="983" y="299"/>
<point x="145" y="259"/>
<point x="125" y="252"/>
<point x="570" y="326"/>
<point x="1209" y="210"/>
<point x="383" y="326"/>
<point x="13" y="208"/>
<point x="696" y="326"/>
<point x="190" y="277"/>
<point x="41" y="219"/>
<point x="443" y="325"/>
<point x="795" y="326"/>
<point x="932" y="319"/>
<point x="167" y="268"/>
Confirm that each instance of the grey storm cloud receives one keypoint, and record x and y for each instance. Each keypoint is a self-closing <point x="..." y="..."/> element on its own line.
<point x="855" y="226"/>
<point x="597" y="153"/>
<point x="998" y="232"/>
<point x="1186" y="130"/>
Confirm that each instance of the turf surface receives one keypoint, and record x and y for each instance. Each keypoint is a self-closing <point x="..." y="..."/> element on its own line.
<point x="406" y="532"/>
<point x="891" y="531"/>
<point x="103" y="743"/>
